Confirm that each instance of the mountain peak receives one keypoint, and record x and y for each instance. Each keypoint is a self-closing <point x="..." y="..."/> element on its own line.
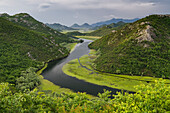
<point x="85" y="24"/>
<point x="75" y="25"/>
<point x="22" y="15"/>
<point x="4" y="15"/>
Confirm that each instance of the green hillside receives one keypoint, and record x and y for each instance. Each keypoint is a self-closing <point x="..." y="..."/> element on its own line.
<point x="107" y="29"/>
<point x="21" y="48"/>
<point x="75" y="33"/>
<point x="59" y="27"/>
<point x="139" y="48"/>
<point x="25" y="20"/>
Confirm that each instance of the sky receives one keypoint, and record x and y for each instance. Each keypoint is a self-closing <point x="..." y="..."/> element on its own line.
<point x="68" y="12"/>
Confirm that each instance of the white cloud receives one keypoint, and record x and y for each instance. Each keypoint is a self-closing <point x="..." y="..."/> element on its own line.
<point x="66" y="10"/>
<point x="94" y="4"/>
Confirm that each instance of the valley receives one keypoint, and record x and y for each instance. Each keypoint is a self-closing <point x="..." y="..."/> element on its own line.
<point x="113" y="67"/>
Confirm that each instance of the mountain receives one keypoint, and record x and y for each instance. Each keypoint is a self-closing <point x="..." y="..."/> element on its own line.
<point x="27" y="21"/>
<point x="139" y="48"/>
<point x="59" y="27"/>
<point x="75" y="26"/>
<point x="83" y="26"/>
<point x="114" y="20"/>
<point x="107" y="29"/>
<point x="23" y="46"/>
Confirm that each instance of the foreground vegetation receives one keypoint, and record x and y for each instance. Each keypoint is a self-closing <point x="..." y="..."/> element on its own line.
<point x="139" y="48"/>
<point x="82" y="69"/>
<point x="149" y="98"/>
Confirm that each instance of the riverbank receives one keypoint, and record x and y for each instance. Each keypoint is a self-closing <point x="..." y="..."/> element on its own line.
<point x="82" y="69"/>
<point x="47" y="86"/>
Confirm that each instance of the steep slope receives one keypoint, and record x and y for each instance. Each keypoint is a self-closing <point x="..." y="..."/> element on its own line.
<point x="21" y="48"/>
<point x="59" y="27"/>
<point x="139" y="48"/>
<point x="114" y="20"/>
<point x="25" y="20"/>
<point x="107" y="29"/>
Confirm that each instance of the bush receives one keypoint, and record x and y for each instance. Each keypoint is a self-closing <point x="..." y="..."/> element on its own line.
<point x="149" y="98"/>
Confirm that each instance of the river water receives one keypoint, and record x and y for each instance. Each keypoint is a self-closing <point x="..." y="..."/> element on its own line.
<point x="55" y="74"/>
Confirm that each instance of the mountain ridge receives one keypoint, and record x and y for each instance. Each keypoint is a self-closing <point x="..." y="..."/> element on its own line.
<point x="27" y="21"/>
<point x="114" y="20"/>
<point x="139" y="48"/>
<point x="59" y="27"/>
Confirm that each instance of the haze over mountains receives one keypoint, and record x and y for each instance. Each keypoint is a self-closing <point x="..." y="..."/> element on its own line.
<point x="94" y="26"/>
<point x="114" y="20"/>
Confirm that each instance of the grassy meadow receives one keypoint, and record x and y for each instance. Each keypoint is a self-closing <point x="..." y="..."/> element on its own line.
<point x="89" y="37"/>
<point x="125" y="82"/>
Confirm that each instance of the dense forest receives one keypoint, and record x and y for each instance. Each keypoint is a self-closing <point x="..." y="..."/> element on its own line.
<point x="22" y="48"/>
<point x="139" y="48"/>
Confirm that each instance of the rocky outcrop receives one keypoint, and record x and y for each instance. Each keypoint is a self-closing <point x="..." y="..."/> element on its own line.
<point x="146" y="34"/>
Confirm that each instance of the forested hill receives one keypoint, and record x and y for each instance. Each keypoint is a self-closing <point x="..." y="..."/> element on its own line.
<point x="21" y="48"/>
<point x="27" y="21"/>
<point x="139" y="48"/>
<point x="107" y="29"/>
<point x="59" y="27"/>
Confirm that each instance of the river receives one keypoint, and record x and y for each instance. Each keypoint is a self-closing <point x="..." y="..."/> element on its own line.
<point x="55" y="74"/>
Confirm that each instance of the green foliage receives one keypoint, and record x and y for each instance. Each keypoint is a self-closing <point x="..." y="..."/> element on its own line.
<point x="25" y="20"/>
<point x="28" y="80"/>
<point x="75" y="33"/>
<point x="124" y="52"/>
<point x="150" y="98"/>
<point x="21" y="48"/>
<point x="154" y="98"/>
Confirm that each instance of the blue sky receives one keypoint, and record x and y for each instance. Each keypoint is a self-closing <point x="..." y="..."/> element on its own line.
<point x="68" y="12"/>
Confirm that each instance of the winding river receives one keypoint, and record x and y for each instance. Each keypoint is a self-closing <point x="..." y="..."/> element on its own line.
<point x="55" y="74"/>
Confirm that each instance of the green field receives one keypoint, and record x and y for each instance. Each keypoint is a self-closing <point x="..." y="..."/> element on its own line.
<point x="89" y="37"/>
<point x="69" y="46"/>
<point x="126" y="82"/>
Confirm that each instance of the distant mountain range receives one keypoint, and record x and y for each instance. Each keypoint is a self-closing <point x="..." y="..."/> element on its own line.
<point x="114" y="20"/>
<point x="83" y="26"/>
<point x="103" y="23"/>
<point x="87" y="26"/>
<point x="59" y="27"/>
